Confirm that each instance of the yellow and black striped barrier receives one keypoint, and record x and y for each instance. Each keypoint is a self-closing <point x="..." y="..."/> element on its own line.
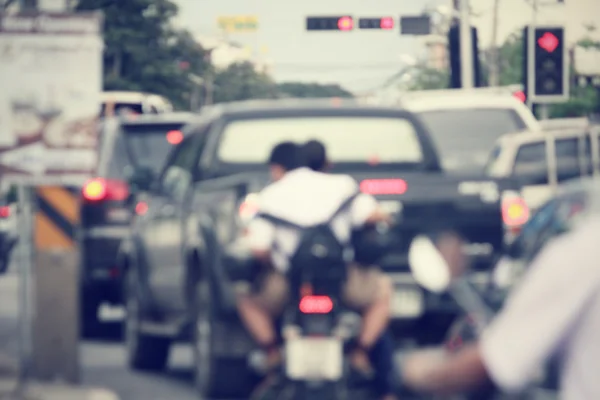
<point x="57" y="218"/>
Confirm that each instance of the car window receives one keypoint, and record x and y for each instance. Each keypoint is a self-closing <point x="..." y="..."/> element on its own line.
<point x="531" y="162"/>
<point x="347" y="139"/>
<point x="567" y="148"/>
<point x="145" y="145"/>
<point x="463" y="137"/>
<point x="494" y="154"/>
<point x="181" y="168"/>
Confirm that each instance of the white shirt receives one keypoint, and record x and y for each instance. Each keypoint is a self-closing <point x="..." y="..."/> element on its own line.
<point x="554" y="310"/>
<point x="306" y="198"/>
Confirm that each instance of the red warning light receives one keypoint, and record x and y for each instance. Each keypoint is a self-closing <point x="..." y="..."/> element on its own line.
<point x="174" y="137"/>
<point x="345" y="24"/>
<point x="520" y="95"/>
<point x="387" y="23"/>
<point x="548" y="42"/>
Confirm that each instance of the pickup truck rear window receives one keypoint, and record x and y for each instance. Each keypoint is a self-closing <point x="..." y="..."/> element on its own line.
<point x="348" y="139"/>
<point x="464" y="137"/>
<point x="140" y="145"/>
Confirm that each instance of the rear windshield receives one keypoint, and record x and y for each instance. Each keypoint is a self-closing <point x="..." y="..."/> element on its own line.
<point x="120" y="108"/>
<point x="464" y="137"/>
<point x="140" y="145"/>
<point x="347" y="139"/>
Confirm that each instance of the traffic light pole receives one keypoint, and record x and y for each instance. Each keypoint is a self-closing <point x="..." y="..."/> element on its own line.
<point x="466" y="46"/>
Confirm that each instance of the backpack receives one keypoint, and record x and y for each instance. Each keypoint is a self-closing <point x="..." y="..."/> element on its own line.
<point x="319" y="257"/>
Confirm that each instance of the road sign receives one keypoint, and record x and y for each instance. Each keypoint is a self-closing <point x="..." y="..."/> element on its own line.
<point x="51" y="69"/>
<point x="238" y="23"/>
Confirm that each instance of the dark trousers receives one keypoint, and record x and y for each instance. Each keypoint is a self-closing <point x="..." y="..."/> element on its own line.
<point x="382" y="359"/>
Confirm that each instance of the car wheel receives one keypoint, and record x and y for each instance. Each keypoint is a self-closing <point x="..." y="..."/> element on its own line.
<point x="144" y="352"/>
<point x="214" y="376"/>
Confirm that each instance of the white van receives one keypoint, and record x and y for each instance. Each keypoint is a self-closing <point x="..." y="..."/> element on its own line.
<point x="117" y="102"/>
<point x="542" y="160"/>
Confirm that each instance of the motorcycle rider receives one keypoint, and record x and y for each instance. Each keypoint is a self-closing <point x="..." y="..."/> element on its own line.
<point x="555" y="310"/>
<point x="306" y="197"/>
<point x="382" y="354"/>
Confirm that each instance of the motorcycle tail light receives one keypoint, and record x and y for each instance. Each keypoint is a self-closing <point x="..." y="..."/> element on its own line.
<point x="316" y="305"/>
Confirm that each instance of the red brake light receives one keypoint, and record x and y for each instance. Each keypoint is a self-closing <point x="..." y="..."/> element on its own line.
<point x="174" y="137"/>
<point x="4" y="212"/>
<point x="520" y="95"/>
<point x="345" y="24"/>
<point x="105" y="189"/>
<point x="141" y="208"/>
<point x="383" y="186"/>
<point x="316" y="305"/>
<point x="515" y="212"/>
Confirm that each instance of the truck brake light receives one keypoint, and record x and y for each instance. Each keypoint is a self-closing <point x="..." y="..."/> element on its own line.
<point x="383" y="186"/>
<point x="100" y="189"/>
<point x="515" y="212"/>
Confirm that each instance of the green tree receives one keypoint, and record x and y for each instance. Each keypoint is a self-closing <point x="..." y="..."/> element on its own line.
<point x="314" y="90"/>
<point x="240" y="81"/>
<point x="142" y="50"/>
<point x="425" y="78"/>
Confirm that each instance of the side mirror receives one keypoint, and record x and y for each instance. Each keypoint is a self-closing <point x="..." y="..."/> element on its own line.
<point x="428" y="266"/>
<point x="141" y="179"/>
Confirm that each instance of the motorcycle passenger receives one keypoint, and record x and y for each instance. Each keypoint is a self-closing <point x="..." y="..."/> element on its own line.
<point x="306" y="198"/>
<point x="382" y="354"/>
<point x="555" y="310"/>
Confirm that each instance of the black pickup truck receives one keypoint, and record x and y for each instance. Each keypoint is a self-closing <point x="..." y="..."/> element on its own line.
<point x="175" y="258"/>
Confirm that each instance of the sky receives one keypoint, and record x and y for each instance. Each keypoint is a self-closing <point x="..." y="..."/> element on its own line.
<point x="359" y="60"/>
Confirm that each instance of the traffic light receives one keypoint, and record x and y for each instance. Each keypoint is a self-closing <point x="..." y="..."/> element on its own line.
<point x="341" y="23"/>
<point x="385" y="23"/>
<point x="455" y="61"/>
<point x="547" y="67"/>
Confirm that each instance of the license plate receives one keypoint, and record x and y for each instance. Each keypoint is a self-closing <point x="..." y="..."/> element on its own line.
<point x="314" y="358"/>
<point x="118" y="215"/>
<point x="407" y="303"/>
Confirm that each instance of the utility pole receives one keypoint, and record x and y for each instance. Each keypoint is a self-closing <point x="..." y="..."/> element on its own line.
<point x="494" y="59"/>
<point x="466" y="46"/>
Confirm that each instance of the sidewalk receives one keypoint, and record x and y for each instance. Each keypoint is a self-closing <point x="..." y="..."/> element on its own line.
<point x="39" y="391"/>
<point x="44" y="391"/>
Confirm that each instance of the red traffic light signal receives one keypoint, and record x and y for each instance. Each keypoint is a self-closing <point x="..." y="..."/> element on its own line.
<point x="345" y="23"/>
<point x="387" y="23"/>
<point x="548" y="42"/>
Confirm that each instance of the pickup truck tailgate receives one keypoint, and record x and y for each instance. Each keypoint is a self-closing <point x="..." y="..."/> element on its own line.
<point x="423" y="202"/>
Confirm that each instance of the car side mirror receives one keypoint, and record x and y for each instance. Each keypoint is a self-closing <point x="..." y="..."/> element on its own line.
<point x="141" y="179"/>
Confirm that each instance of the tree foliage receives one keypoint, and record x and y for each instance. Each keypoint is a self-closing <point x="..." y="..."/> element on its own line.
<point x="142" y="50"/>
<point x="314" y="90"/>
<point x="241" y="81"/>
<point x="425" y="78"/>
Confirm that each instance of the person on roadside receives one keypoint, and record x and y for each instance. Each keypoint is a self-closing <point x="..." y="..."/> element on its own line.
<point x="306" y="197"/>
<point x="555" y="310"/>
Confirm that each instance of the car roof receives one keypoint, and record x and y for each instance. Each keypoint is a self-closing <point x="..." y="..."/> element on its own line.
<point x="126" y="97"/>
<point x="559" y="123"/>
<point x="427" y="100"/>
<point x="521" y="138"/>
<point x="257" y="107"/>
<point x="162" y="118"/>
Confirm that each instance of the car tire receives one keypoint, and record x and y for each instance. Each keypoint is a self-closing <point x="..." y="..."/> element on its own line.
<point x="144" y="352"/>
<point x="90" y="324"/>
<point x="215" y="377"/>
